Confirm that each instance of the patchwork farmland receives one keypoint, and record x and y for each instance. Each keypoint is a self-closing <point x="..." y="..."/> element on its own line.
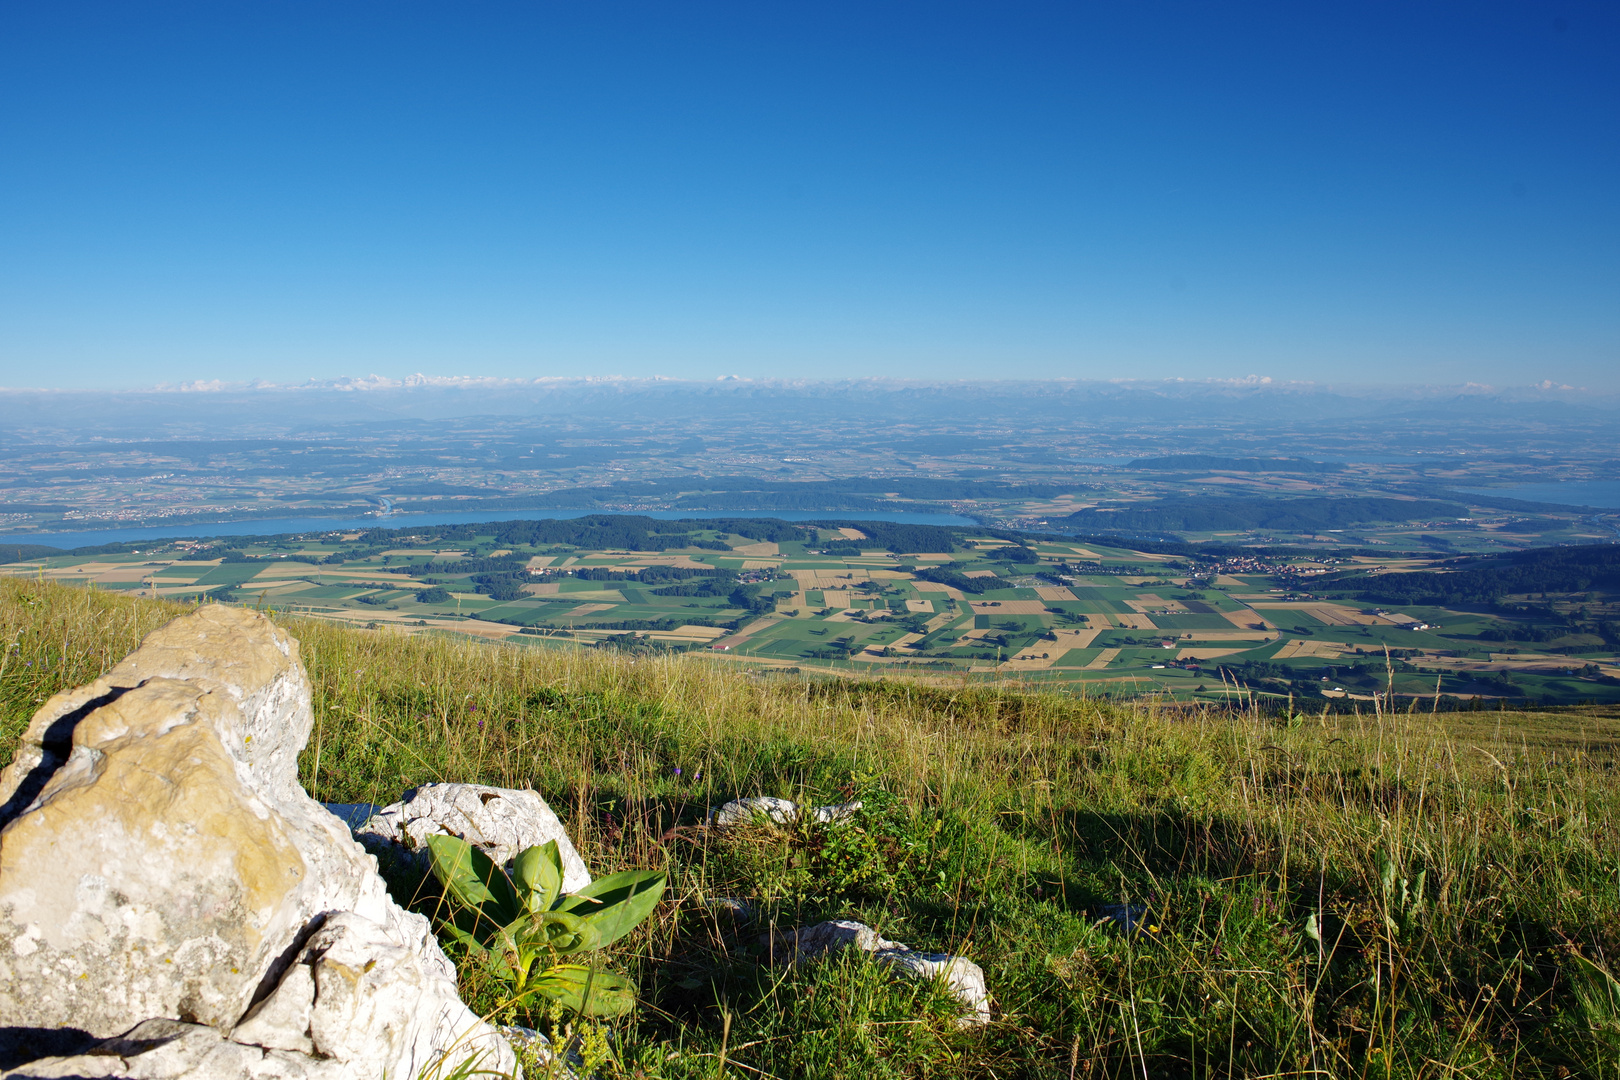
<point x="876" y="600"/>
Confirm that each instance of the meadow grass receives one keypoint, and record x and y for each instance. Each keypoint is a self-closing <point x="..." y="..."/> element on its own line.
<point x="1376" y="895"/>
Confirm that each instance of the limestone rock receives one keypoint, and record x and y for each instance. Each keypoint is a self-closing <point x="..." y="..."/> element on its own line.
<point x="378" y="1005"/>
<point x="153" y="877"/>
<point x="829" y="814"/>
<point x="174" y="1050"/>
<point x="831" y="936"/>
<point x="744" y="811"/>
<point x="502" y="822"/>
<point x="963" y="977"/>
<point x="780" y="811"/>
<point x="158" y="860"/>
<point x="239" y="652"/>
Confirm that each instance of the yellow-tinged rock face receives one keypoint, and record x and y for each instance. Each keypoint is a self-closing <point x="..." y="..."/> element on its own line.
<point x="169" y="871"/>
<point x="238" y="653"/>
<point x="147" y="863"/>
<point x="160" y="866"/>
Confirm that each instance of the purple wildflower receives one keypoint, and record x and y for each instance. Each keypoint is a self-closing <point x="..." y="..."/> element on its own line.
<point x="677" y="770"/>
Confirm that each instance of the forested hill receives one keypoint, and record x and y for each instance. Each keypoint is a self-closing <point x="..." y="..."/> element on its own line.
<point x="630" y="532"/>
<point x="18" y="552"/>
<point x="1486" y="579"/>
<point x="625" y="532"/>
<point x="1219" y="514"/>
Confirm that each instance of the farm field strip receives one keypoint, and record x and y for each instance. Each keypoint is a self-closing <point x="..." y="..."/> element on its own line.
<point x="1330" y="650"/>
<point x="1327" y="614"/>
<point x="1205" y="654"/>
<point x="1248" y="620"/>
<point x="838" y="614"/>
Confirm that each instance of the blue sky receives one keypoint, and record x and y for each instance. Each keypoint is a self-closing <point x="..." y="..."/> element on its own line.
<point x="1373" y="192"/>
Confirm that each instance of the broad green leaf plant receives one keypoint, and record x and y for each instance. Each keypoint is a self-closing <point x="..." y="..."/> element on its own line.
<point x="514" y="922"/>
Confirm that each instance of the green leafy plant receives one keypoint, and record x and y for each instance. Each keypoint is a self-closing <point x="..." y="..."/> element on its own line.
<point x="514" y="922"/>
<point x="1403" y="898"/>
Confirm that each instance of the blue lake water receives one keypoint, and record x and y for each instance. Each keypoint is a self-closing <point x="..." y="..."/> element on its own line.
<point x="275" y="526"/>
<point x="1598" y="493"/>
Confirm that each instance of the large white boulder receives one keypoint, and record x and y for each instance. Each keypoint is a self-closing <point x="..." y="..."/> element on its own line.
<point x="159" y="861"/>
<point x="501" y="822"/>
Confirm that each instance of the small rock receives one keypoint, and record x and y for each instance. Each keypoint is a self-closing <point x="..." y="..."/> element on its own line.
<point x="744" y="811"/>
<point x="502" y="822"/>
<point x="963" y="977"/>
<point x="829" y="814"/>
<point x="779" y="811"/>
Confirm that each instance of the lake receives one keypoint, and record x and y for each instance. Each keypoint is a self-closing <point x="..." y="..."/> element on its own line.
<point x="1598" y="493"/>
<point x="275" y="526"/>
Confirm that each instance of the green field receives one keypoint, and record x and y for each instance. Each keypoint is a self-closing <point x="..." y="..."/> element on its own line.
<point x="848" y="615"/>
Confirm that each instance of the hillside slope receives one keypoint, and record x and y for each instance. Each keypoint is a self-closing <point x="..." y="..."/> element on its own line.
<point x="1403" y="895"/>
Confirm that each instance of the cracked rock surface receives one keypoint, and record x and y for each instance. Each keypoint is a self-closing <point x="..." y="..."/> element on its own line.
<point x="501" y="822"/>
<point x="778" y="811"/>
<point x="160" y="863"/>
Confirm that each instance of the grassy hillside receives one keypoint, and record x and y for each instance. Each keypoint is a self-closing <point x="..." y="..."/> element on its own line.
<point x="1331" y="896"/>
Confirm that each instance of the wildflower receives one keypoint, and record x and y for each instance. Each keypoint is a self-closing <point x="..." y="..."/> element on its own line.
<point x="677" y="770"/>
<point x="480" y="725"/>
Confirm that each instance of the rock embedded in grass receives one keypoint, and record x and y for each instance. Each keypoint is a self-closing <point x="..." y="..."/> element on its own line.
<point x="963" y="977"/>
<point x="777" y="811"/>
<point x="501" y="822"/>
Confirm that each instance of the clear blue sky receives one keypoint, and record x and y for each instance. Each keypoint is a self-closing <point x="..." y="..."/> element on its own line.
<point x="1404" y="191"/>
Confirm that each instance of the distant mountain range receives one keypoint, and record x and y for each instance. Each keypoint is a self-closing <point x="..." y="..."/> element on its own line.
<point x="267" y="407"/>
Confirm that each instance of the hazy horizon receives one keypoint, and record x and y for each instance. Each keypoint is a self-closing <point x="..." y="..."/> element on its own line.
<point x="419" y="381"/>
